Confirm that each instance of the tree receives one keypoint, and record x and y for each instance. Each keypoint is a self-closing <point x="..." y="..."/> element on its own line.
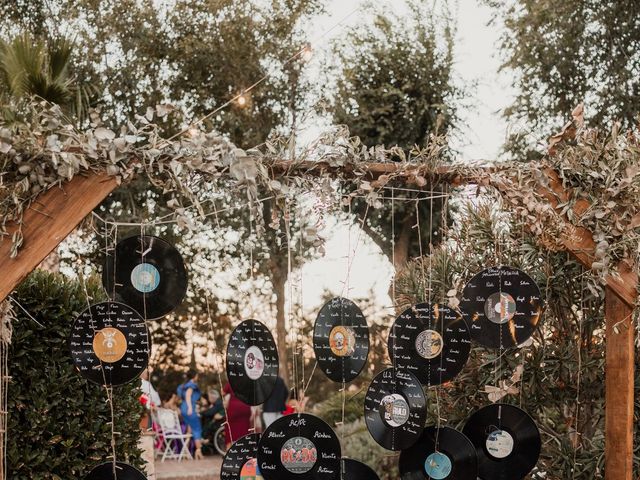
<point x="197" y="55"/>
<point x="564" y="52"/>
<point x="395" y="86"/>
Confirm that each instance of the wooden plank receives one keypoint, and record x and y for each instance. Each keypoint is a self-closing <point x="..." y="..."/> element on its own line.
<point x="57" y="212"/>
<point x="619" y="379"/>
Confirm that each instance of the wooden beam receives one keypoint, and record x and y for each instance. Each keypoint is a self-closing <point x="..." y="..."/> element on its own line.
<point x="48" y="222"/>
<point x="619" y="383"/>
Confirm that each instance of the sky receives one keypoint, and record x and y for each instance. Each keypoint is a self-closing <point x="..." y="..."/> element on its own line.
<point x="476" y="61"/>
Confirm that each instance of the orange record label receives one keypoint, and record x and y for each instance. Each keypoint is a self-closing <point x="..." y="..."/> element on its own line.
<point x="342" y="341"/>
<point x="110" y="345"/>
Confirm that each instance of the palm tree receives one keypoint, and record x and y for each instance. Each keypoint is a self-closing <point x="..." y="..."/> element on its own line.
<point x="30" y="67"/>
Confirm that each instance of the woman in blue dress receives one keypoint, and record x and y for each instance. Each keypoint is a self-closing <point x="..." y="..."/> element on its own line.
<point x="190" y="393"/>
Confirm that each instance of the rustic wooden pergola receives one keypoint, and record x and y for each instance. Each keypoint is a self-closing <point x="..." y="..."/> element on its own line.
<point x="57" y="212"/>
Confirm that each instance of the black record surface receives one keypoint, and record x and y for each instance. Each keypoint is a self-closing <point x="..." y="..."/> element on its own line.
<point x="355" y="470"/>
<point x="252" y="362"/>
<point x="240" y="461"/>
<point x="454" y="458"/>
<point x="430" y="341"/>
<point x="395" y="409"/>
<point x="341" y="339"/>
<point x="301" y="447"/>
<point x="502" y="307"/>
<point x="109" y="344"/>
<point x="146" y="273"/>
<point x="124" y="471"/>
<point x="506" y="439"/>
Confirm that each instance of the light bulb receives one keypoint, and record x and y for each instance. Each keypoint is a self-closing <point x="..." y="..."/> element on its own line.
<point x="307" y="52"/>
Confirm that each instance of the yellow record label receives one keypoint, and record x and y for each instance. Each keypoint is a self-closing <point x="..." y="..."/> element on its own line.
<point x="109" y="345"/>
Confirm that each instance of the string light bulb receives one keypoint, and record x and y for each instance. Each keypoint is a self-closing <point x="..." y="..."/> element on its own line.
<point x="307" y="52"/>
<point x="242" y="100"/>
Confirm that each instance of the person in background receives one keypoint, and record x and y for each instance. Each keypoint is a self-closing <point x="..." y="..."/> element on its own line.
<point x="239" y="416"/>
<point x="172" y="403"/>
<point x="152" y="397"/>
<point x="189" y="392"/>
<point x="276" y="404"/>
<point x="296" y="403"/>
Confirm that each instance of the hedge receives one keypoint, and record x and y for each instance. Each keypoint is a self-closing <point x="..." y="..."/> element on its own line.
<point x="58" y="422"/>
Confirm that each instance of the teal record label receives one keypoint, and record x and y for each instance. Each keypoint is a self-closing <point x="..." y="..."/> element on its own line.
<point x="145" y="277"/>
<point x="437" y="466"/>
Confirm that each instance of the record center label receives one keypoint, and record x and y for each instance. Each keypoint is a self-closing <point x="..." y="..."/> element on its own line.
<point x="145" y="277"/>
<point x="254" y="362"/>
<point x="499" y="444"/>
<point x="500" y="307"/>
<point x="250" y="470"/>
<point x="429" y="344"/>
<point x="342" y="341"/>
<point x="298" y="455"/>
<point x="110" y="345"/>
<point x="437" y="466"/>
<point x="394" y="409"/>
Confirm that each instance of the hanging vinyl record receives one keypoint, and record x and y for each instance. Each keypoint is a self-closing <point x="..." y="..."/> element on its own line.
<point x="441" y="453"/>
<point x="240" y="462"/>
<point x="300" y="447"/>
<point x="124" y="471"/>
<point x="502" y="307"/>
<point x="341" y="339"/>
<point x="109" y="344"/>
<point x="430" y="341"/>
<point x="252" y="362"/>
<point x="147" y="273"/>
<point x="506" y="439"/>
<point x="395" y="409"/>
<point x="355" y="470"/>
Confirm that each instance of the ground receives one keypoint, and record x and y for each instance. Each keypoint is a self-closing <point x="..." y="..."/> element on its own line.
<point x="207" y="469"/>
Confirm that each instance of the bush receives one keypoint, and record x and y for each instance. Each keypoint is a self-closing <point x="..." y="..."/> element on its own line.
<point x="58" y="422"/>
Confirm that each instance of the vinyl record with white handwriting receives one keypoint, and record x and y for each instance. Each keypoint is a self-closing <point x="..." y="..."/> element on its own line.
<point x="301" y="447"/>
<point x="430" y="341"/>
<point x="109" y="344"/>
<point x="124" y="471"/>
<point x="507" y="441"/>
<point x="440" y="454"/>
<point x="252" y="362"/>
<point x="341" y="339"/>
<point x="395" y="409"/>
<point x="146" y="273"/>
<point x="502" y="307"/>
<point x="241" y="460"/>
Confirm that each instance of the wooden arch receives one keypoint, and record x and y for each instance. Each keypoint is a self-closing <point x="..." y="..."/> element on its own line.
<point x="57" y="212"/>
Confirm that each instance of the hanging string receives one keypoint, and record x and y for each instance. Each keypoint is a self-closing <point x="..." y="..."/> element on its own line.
<point x="393" y="299"/>
<point x="216" y="365"/>
<point x="578" y="376"/>
<point x="294" y="334"/>
<point x="108" y="390"/>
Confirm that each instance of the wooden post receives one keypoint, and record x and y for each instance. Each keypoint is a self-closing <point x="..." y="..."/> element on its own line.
<point x="48" y="222"/>
<point x="619" y="379"/>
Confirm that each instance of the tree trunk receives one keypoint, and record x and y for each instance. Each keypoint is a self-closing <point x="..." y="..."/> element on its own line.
<point x="403" y="237"/>
<point x="279" y="280"/>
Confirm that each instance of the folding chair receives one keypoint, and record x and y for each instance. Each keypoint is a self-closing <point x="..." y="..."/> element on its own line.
<point x="174" y="444"/>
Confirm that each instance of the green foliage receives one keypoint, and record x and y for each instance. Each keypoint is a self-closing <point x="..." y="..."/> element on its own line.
<point x="58" y="422"/>
<point x="563" y="52"/>
<point x="31" y="67"/>
<point x="566" y="360"/>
